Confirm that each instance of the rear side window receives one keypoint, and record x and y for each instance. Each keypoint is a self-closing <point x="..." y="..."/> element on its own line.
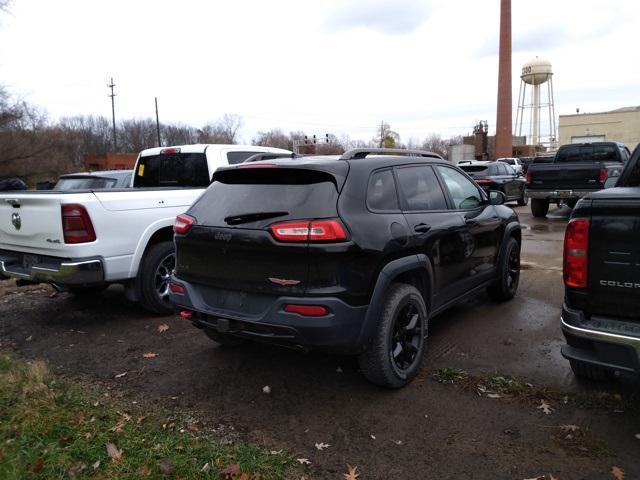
<point x="255" y="198"/>
<point x="474" y="169"/>
<point x="381" y="193"/>
<point x="173" y="170"/>
<point x="84" y="183"/>
<point x="420" y="189"/>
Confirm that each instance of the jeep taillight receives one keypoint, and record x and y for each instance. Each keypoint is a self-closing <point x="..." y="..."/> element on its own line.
<point x="576" y="245"/>
<point x="76" y="224"/>
<point x="183" y="224"/>
<point x="309" y="231"/>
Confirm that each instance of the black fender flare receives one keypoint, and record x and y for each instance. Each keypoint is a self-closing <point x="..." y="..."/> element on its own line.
<point x="386" y="277"/>
<point x="508" y="232"/>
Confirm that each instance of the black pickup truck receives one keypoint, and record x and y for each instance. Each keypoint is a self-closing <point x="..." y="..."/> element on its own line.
<point x="576" y="170"/>
<point x="601" y="313"/>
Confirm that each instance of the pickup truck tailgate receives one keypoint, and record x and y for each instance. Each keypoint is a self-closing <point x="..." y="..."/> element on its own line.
<point x="559" y="176"/>
<point x="614" y="264"/>
<point x="30" y="221"/>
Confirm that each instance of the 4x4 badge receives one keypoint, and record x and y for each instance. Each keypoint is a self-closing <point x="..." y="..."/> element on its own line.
<point x="284" y="282"/>
<point x="16" y="220"/>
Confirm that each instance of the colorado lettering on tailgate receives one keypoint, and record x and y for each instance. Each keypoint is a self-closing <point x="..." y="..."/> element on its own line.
<point x="613" y="283"/>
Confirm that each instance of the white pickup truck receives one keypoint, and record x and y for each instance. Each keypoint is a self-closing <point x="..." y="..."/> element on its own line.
<point x="83" y="240"/>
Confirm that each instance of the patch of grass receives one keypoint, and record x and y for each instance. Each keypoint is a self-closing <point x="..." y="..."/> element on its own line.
<point x="54" y="430"/>
<point x="450" y="375"/>
<point x="508" y="386"/>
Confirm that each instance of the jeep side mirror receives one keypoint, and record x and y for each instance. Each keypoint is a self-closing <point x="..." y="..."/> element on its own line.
<point x="497" y="198"/>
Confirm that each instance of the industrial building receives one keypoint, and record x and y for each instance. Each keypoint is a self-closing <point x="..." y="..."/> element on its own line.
<point x="621" y="125"/>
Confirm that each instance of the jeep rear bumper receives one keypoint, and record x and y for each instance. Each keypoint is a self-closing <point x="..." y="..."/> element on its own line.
<point x="39" y="269"/>
<point x="605" y="342"/>
<point x="263" y="318"/>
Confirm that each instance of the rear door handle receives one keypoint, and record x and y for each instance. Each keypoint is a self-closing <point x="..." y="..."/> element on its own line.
<point x="422" y="228"/>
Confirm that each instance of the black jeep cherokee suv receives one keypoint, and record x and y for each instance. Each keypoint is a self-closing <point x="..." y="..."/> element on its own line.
<point x="349" y="254"/>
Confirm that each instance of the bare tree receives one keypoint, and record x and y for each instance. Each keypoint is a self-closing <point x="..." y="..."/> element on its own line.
<point x="273" y="138"/>
<point x="436" y="144"/>
<point x="387" y="138"/>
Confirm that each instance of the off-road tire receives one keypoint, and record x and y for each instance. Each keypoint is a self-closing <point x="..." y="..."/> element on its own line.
<point x="524" y="199"/>
<point x="149" y="297"/>
<point x="376" y="362"/>
<point x="224" y="339"/>
<point x="506" y="284"/>
<point x="539" y="207"/>
<point x="588" y="371"/>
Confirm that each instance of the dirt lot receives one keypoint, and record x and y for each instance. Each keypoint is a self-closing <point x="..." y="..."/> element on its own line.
<point x="431" y="429"/>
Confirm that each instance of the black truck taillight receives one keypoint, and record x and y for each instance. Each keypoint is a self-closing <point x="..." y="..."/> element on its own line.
<point x="76" y="224"/>
<point x="575" y="258"/>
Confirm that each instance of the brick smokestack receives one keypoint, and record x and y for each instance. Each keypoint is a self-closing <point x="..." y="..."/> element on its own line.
<point x="504" y="140"/>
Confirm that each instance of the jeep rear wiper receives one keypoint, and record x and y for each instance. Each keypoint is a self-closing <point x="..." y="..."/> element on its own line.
<point x="252" y="217"/>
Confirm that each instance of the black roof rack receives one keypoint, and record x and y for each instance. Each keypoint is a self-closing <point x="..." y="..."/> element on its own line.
<point x="269" y="156"/>
<point x="357" y="153"/>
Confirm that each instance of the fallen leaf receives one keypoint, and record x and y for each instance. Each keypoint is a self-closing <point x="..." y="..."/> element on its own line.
<point x="321" y="446"/>
<point x="141" y="419"/>
<point x="275" y="452"/>
<point x="398" y="442"/>
<point x="352" y="473"/>
<point x="144" y="471"/>
<point x="76" y="469"/>
<point x="266" y="389"/>
<point x="193" y="426"/>
<point x="149" y="355"/>
<point x="303" y="461"/>
<point x="206" y="468"/>
<point x="163" y="328"/>
<point x="38" y="466"/>
<point x="78" y="419"/>
<point x="120" y="375"/>
<point x="167" y="467"/>
<point x="618" y="473"/>
<point x="545" y="407"/>
<point x="113" y="452"/>
<point x="373" y="437"/>
<point x="96" y="465"/>
<point x="569" y="428"/>
<point x="494" y="395"/>
<point x="179" y="447"/>
<point x="230" y="472"/>
<point x="29" y="338"/>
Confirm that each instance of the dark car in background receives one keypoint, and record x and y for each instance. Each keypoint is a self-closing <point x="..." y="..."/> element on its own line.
<point x="498" y="176"/>
<point x="350" y="254"/>
<point x="94" y="180"/>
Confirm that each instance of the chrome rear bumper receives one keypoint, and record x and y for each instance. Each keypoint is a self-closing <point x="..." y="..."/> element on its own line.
<point x="52" y="269"/>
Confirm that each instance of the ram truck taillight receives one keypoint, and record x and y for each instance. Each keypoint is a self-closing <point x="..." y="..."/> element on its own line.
<point x="575" y="258"/>
<point x="604" y="175"/>
<point x="76" y="224"/>
<point x="330" y="230"/>
<point x="529" y="177"/>
<point x="183" y="224"/>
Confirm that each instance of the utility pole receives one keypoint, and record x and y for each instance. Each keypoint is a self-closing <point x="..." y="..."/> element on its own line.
<point x="158" y="124"/>
<point x="113" y="114"/>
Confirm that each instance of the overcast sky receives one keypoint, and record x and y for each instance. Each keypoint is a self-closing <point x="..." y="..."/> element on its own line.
<point x="328" y="66"/>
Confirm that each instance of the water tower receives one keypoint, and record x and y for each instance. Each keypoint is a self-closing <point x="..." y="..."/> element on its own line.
<point x="533" y="104"/>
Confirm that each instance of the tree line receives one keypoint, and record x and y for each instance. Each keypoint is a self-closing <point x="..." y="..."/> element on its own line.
<point x="36" y="148"/>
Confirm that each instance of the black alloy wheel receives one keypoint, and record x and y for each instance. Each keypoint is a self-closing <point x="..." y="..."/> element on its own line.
<point x="508" y="278"/>
<point x="408" y="336"/>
